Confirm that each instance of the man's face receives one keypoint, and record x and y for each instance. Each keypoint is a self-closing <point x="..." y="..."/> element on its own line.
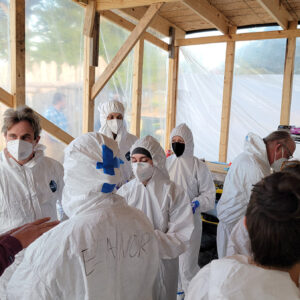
<point x="177" y="139"/>
<point x="280" y="149"/>
<point x="141" y="158"/>
<point x="115" y="116"/>
<point x="21" y="131"/>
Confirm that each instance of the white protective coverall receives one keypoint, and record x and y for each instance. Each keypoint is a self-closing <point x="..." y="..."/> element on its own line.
<point x="106" y="249"/>
<point x="235" y="279"/>
<point x="168" y="208"/>
<point x="27" y="193"/>
<point x="239" y="241"/>
<point x="124" y="139"/>
<point x="248" y="168"/>
<point x="190" y="173"/>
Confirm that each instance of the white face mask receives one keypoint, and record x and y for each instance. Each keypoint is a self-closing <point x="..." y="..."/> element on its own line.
<point x="277" y="164"/>
<point x="142" y="171"/>
<point x="115" y="125"/>
<point x="19" y="149"/>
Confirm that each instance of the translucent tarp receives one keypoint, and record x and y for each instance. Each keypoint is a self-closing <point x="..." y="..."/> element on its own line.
<point x="3" y="108"/>
<point x="119" y="87"/>
<point x="154" y="93"/>
<point x="199" y="99"/>
<point x="54" y="61"/>
<point x="4" y="45"/>
<point x="257" y="91"/>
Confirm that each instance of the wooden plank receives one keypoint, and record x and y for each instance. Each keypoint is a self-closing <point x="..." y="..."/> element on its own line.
<point x="226" y="105"/>
<point x="125" y="49"/>
<point x="6" y="98"/>
<point x="116" y="4"/>
<point x="129" y="26"/>
<point x="54" y="130"/>
<point x="253" y="36"/>
<point x="172" y="96"/>
<point x="17" y="48"/>
<point x="94" y="48"/>
<point x="277" y="11"/>
<point x="159" y="23"/>
<point x="137" y="88"/>
<point x="288" y="79"/>
<point x="89" y="18"/>
<point x="208" y="12"/>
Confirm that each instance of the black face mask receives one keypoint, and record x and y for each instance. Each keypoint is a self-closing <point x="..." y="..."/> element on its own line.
<point x="178" y="148"/>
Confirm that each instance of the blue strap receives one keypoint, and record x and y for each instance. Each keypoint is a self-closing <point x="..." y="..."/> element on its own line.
<point x="107" y="188"/>
<point x="195" y="205"/>
<point x="109" y="161"/>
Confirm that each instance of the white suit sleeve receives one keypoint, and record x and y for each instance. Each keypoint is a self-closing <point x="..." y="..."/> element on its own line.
<point x="180" y="226"/>
<point x="60" y="176"/>
<point x="206" y="188"/>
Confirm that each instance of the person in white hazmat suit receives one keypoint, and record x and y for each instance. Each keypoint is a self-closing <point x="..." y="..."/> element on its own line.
<point x="113" y="126"/>
<point x="166" y="205"/>
<point x="259" y="156"/>
<point x="106" y="249"/>
<point x="274" y="270"/>
<point x="30" y="183"/>
<point x="192" y="174"/>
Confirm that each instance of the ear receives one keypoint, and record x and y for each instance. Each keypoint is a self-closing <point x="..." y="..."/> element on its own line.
<point x="37" y="140"/>
<point x="244" y="221"/>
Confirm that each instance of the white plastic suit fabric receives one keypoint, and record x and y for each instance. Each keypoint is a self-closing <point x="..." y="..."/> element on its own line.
<point x="233" y="278"/>
<point x="168" y="208"/>
<point x="239" y="241"/>
<point x="124" y="139"/>
<point x="27" y="193"/>
<point x="106" y="249"/>
<point x="247" y="169"/>
<point x="193" y="176"/>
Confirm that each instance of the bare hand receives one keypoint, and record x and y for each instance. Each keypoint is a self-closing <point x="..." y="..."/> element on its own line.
<point x="28" y="233"/>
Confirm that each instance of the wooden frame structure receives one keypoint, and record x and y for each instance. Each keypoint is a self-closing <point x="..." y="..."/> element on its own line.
<point x="169" y="18"/>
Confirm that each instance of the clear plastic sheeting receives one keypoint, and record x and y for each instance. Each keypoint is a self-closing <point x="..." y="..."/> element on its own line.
<point x="199" y="99"/>
<point x="3" y="108"/>
<point x="119" y="87"/>
<point x="54" y="61"/>
<point x="154" y="92"/>
<point x="257" y="91"/>
<point x="4" y="46"/>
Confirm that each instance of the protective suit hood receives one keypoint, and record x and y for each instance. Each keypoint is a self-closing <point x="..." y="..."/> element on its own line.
<point x="91" y="171"/>
<point x="184" y="131"/>
<point x="158" y="155"/>
<point x="256" y="146"/>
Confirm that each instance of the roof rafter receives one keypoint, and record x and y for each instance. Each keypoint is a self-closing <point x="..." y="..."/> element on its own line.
<point x="117" y="4"/>
<point x="209" y="13"/>
<point x="277" y="11"/>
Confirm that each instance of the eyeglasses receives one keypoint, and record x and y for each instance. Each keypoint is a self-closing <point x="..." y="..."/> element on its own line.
<point x="290" y="155"/>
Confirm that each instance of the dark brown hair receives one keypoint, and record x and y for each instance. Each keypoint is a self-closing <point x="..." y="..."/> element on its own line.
<point x="273" y="220"/>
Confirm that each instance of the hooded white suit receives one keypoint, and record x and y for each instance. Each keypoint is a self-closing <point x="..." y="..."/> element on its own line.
<point x="124" y="139"/>
<point x="248" y="168"/>
<point x="106" y="250"/>
<point x="27" y="193"/>
<point x="233" y="278"/>
<point x="168" y="208"/>
<point x="193" y="176"/>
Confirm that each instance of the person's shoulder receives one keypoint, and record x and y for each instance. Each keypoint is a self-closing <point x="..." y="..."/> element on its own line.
<point x="131" y="138"/>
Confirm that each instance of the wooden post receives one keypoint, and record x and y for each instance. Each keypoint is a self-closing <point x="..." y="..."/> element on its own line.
<point x="137" y="87"/>
<point x="172" y="96"/>
<point x="287" y="88"/>
<point x="227" y="93"/>
<point x="17" y="45"/>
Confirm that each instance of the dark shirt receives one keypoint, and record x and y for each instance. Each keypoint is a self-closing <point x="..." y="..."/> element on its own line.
<point x="9" y="247"/>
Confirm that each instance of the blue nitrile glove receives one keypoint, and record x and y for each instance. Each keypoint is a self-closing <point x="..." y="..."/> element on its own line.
<point x="195" y="204"/>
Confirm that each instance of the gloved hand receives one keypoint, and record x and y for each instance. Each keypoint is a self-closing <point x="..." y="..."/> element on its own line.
<point x="195" y="204"/>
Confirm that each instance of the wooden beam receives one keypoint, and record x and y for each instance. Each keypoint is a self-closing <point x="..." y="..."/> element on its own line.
<point x="115" y="4"/>
<point x="137" y="88"/>
<point x="209" y="13"/>
<point x="287" y="88"/>
<point x="253" y="36"/>
<point x="277" y="11"/>
<point x="17" y="50"/>
<point x="226" y="105"/>
<point x="129" y="26"/>
<point x="54" y="130"/>
<point x="89" y="18"/>
<point x="125" y="49"/>
<point x="6" y="98"/>
<point x="159" y="23"/>
<point x="172" y="96"/>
